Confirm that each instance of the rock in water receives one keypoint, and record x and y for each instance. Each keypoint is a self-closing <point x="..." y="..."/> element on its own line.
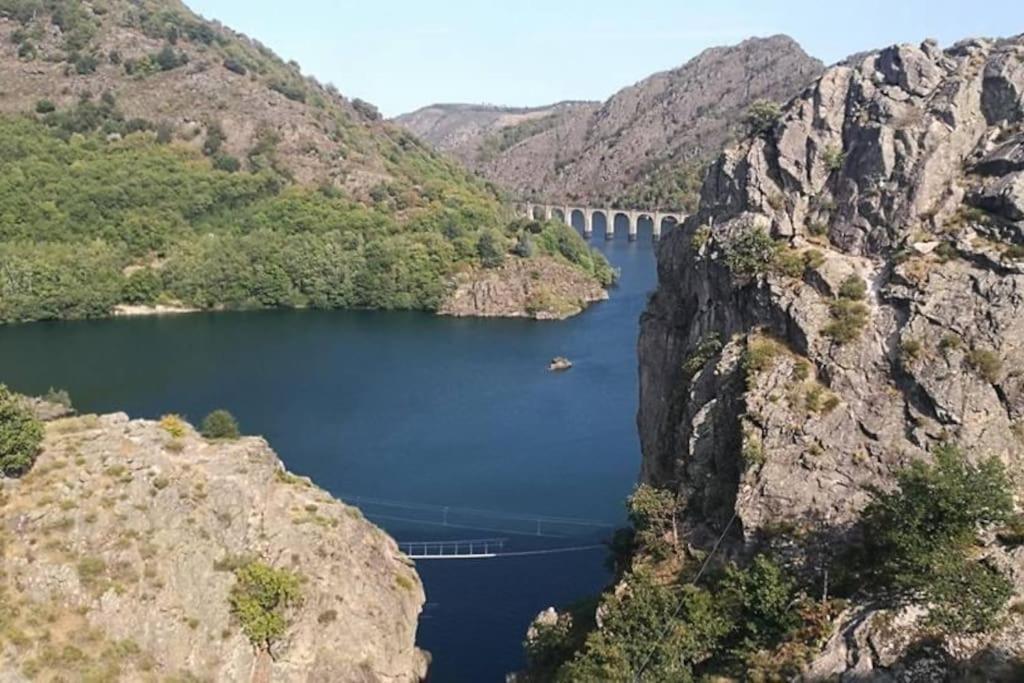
<point x="120" y="552"/>
<point x="800" y="349"/>
<point x="559" y="364"/>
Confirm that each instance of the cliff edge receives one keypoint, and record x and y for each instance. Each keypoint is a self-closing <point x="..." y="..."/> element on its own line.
<point x="137" y="550"/>
<point x="847" y="298"/>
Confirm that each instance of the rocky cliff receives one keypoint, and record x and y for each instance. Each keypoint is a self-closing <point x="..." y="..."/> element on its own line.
<point x="848" y="295"/>
<point x="123" y="547"/>
<point x="633" y="147"/>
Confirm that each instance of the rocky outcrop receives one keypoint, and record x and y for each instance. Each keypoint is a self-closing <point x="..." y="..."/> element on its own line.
<point x="542" y="288"/>
<point x="119" y="549"/>
<point x="896" y="173"/>
<point x="601" y="152"/>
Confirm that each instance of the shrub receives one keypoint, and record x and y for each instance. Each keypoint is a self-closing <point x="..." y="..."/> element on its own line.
<point x="911" y="349"/>
<point x="853" y="288"/>
<point x="220" y="424"/>
<point x="986" y="363"/>
<point x="950" y="342"/>
<point x="168" y="58"/>
<point x="849" y="318"/>
<point x="174" y="425"/>
<point x="226" y="162"/>
<point x="142" y="286"/>
<point x="750" y="253"/>
<point x="834" y="158"/>
<point x="919" y="537"/>
<point x="260" y="599"/>
<point x="490" y="249"/>
<point x="762" y="116"/>
<point x="707" y="349"/>
<point x="652" y="513"/>
<point x="759" y="355"/>
<point x="21" y="434"/>
<point x="45" y="107"/>
<point x="59" y="396"/>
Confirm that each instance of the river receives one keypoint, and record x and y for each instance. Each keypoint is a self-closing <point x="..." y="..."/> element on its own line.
<point x="419" y="411"/>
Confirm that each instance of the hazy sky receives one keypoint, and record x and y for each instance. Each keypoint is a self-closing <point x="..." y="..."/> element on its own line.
<point x="404" y="54"/>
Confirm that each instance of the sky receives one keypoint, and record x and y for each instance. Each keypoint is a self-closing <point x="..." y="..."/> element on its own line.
<point x="405" y="54"/>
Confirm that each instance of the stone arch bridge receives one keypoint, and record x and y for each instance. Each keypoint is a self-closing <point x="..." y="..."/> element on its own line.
<point x="550" y="211"/>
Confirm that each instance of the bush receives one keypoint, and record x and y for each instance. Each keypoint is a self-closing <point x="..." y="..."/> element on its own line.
<point x="652" y="513"/>
<point x="260" y="599"/>
<point x="986" y="363"/>
<point x="853" y="288"/>
<point x="235" y="66"/>
<point x="708" y="348"/>
<point x="21" y="434"/>
<point x="750" y="253"/>
<point x="759" y="355"/>
<point x="762" y="116"/>
<point x="849" y="318"/>
<point x="490" y="249"/>
<point x="174" y="425"/>
<point x="59" y="396"/>
<point x="142" y="286"/>
<point x="220" y="424"/>
<point x="919" y="538"/>
<point x="45" y="107"/>
<point x="226" y="162"/>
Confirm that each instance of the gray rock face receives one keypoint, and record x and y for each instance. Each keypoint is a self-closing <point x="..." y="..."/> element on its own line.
<point x="118" y="552"/>
<point x="903" y="168"/>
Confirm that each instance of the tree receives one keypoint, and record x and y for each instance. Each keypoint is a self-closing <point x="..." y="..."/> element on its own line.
<point x="220" y="424"/>
<point x="21" y="434"/>
<point x="259" y="600"/>
<point x="919" y="537"/>
<point x="489" y="249"/>
<point x="762" y="117"/>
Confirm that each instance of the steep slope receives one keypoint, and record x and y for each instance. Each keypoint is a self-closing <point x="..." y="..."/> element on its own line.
<point x="127" y="546"/>
<point x="474" y="134"/>
<point x="151" y="157"/>
<point x="645" y="145"/>
<point x="846" y="300"/>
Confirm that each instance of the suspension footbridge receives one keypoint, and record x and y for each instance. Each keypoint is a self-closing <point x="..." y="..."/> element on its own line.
<point x="404" y="513"/>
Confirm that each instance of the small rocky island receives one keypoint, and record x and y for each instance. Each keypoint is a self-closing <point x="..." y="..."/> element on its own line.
<point x="559" y="364"/>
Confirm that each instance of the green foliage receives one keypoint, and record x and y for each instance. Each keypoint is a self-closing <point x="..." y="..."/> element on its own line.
<point x="490" y="249"/>
<point x="708" y="348"/>
<point x="21" y="434"/>
<point x="750" y="253"/>
<point x="174" y="425"/>
<point x="555" y="238"/>
<point x="918" y="538"/>
<point x="260" y="600"/>
<point x="673" y="185"/>
<point x="849" y="314"/>
<point x="762" y="116"/>
<point x="652" y="512"/>
<point x="59" y="396"/>
<point x="759" y="355"/>
<point x="834" y="157"/>
<point x="510" y="136"/>
<point x="142" y="286"/>
<point x="664" y="632"/>
<point x="986" y="363"/>
<point x="220" y="424"/>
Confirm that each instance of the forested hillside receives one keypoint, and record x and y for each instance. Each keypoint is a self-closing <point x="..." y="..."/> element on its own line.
<point x="149" y="156"/>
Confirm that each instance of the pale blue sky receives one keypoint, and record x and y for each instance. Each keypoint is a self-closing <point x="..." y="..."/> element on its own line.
<point x="404" y="54"/>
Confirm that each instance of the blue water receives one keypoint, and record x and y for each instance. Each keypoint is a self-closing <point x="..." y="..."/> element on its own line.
<point x="411" y="408"/>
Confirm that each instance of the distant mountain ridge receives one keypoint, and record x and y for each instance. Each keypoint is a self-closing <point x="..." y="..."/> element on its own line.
<point x="643" y="145"/>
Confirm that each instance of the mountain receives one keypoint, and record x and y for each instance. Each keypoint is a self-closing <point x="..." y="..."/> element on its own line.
<point x="151" y="157"/>
<point x="644" y="146"/>
<point x="831" y="396"/>
<point x="473" y="133"/>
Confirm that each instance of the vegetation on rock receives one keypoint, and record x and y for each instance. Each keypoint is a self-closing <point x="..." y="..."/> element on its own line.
<point x="21" y="434"/>
<point x="220" y="424"/>
<point x="260" y="600"/>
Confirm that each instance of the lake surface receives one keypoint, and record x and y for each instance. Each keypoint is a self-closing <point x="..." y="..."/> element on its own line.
<point x="414" y="410"/>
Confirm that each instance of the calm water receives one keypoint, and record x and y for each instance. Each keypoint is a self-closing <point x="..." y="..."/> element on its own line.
<point x="409" y="408"/>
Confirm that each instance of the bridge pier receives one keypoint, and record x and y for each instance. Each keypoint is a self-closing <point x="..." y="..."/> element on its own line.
<point x="658" y="218"/>
<point x="588" y="223"/>
<point x="634" y="220"/>
<point x="567" y="215"/>
<point x="609" y="228"/>
<point x="529" y="211"/>
<point x="549" y="212"/>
